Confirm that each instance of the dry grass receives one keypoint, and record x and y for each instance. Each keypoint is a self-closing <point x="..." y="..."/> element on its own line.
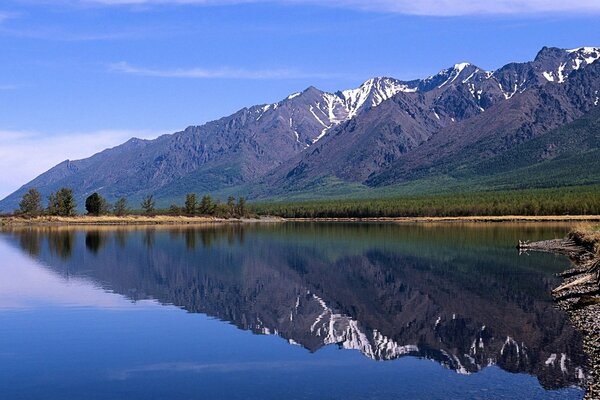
<point x="181" y="220"/>
<point x="109" y="220"/>
<point x="587" y="235"/>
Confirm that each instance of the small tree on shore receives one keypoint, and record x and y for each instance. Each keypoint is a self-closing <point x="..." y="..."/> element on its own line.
<point x="191" y="204"/>
<point x="241" y="207"/>
<point x="175" y="210"/>
<point x="231" y="205"/>
<point x="96" y="205"/>
<point x="31" y="203"/>
<point x="120" y="208"/>
<point x="148" y="205"/>
<point x="62" y="203"/>
<point x="207" y="207"/>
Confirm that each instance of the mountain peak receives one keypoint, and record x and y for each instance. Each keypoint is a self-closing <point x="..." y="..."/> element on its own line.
<point x="311" y="89"/>
<point x="549" y="53"/>
<point x="460" y="66"/>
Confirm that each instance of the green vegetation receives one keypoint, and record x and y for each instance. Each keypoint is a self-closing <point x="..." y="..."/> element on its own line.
<point x="120" y="208"/>
<point x="208" y="206"/>
<point x="31" y="203"/>
<point x="97" y="205"/>
<point x="569" y="200"/>
<point x="62" y="203"/>
<point x="148" y="205"/>
<point x="191" y="204"/>
<point x="573" y="200"/>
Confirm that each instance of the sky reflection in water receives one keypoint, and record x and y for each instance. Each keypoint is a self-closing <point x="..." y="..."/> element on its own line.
<point x="262" y="311"/>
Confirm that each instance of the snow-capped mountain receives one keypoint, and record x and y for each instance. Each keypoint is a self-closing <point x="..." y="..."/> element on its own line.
<point x="355" y="135"/>
<point x="327" y="110"/>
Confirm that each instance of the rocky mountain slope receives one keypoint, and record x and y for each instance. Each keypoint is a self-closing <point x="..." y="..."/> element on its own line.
<point x="384" y="132"/>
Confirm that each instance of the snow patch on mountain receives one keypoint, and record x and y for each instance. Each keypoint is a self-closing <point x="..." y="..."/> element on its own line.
<point x="332" y="109"/>
<point x="372" y="93"/>
<point x="588" y="55"/>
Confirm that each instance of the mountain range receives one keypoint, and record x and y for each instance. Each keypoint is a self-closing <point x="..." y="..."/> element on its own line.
<point x="531" y="124"/>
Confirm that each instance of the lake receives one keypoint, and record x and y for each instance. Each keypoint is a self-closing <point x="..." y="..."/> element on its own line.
<point x="284" y="311"/>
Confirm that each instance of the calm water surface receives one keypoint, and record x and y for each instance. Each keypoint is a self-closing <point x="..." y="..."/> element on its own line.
<point x="285" y="311"/>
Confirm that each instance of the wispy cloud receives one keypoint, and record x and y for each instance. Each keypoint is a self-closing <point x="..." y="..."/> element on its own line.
<point x="25" y="155"/>
<point x="220" y="73"/>
<point x="409" y="7"/>
<point x="60" y="34"/>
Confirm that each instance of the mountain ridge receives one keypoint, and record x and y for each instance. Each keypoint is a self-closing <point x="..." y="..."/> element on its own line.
<point x="357" y="135"/>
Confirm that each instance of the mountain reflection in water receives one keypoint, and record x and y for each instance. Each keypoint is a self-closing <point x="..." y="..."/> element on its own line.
<point x="456" y="294"/>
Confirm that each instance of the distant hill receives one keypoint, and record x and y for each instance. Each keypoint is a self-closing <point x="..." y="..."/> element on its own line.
<point x="532" y="124"/>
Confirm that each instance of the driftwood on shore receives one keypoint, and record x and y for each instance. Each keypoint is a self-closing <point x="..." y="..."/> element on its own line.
<point x="588" y="262"/>
<point x="561" y="246"/>
<point x="579" y="296"/>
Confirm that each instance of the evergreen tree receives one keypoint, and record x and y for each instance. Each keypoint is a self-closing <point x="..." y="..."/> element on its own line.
<point x="207" y="207"/>
<point x="62" y="203"/>
<point x="231" y="205"/>
<point x="191" y="204"/>
<point x="120" y="207"/>
<point x="105" y="207"/>
<point x="52" y="208"/>
<point x="175" y="210"/>
<point x="241" y="207"/>
<point x="95" y="204"/>
<point x="148" y="205"/>
<point x="31" y="203"/>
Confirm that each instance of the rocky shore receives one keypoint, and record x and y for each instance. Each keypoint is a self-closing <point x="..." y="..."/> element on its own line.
<point x="579" y="295"/>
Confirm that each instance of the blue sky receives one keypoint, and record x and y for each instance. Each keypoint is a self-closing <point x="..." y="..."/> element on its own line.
<point x="77" y="76"/>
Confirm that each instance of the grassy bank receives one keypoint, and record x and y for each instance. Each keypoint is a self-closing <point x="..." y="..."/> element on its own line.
<point x="587" y="236"/>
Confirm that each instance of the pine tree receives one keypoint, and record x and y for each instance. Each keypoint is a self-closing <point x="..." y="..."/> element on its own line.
<point x="62" y="203"/>
<point x="207" y="207"/>
<point x="31" y="203"/>
<point x="93" y="204"/>
<point x="231" y="205"/>
<point x="191" y="204"/>
<point x="241" y="207"/>
<point x="148" y="205"/>
<point x="175" y="210"/>
<point x="120" y="207"/>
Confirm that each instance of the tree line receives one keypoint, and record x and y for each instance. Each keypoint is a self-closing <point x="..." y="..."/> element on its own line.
<point x="570" y="200"/>
<point x="62" y="203"/>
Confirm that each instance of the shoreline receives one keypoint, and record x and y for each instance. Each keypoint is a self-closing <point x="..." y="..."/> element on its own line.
<point x="140" y="220"/>
<point x="129" y="220"/>
<point x="578" y="295"/>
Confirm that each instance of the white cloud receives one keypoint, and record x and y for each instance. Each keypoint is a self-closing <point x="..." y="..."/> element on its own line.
<point x="409" y="7"/>
<point x="25" y="155"/>
<point x="219" y="73"/>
